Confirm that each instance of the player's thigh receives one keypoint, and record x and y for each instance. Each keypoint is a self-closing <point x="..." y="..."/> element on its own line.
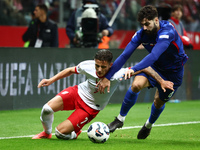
<point x="56" y="103"/>
<point x="140" y="82"/>
<point x="79" y="118"/>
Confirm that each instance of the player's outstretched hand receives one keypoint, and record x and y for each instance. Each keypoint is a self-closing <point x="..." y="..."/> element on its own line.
<point x="167" y="85"/>
<point x="128" y="74"/>
<point x="44" y="82"/>
<point x="102" y="84"/>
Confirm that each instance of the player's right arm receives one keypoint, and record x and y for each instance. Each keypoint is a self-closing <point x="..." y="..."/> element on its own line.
<point x="121" y="60"/>
<point x="65" y="73"/>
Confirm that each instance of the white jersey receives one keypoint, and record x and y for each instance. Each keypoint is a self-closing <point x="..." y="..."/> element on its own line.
<point x="88" y="90"/>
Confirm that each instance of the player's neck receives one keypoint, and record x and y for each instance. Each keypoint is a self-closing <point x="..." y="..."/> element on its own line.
<point x="43" y="18"/>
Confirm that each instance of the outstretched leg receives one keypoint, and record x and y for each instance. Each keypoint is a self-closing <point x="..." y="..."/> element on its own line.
<point x="130" y="99"/>
<point x="47" y="116"/>
<point x="156" y="109"/>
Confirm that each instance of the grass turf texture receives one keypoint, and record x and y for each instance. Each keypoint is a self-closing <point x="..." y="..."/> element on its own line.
<point x="184" y="137"/>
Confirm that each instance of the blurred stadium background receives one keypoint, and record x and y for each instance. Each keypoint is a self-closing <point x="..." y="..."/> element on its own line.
<point x="17" y="14"/>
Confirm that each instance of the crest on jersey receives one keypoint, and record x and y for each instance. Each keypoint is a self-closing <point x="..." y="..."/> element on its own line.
<point x="164" y="37"/>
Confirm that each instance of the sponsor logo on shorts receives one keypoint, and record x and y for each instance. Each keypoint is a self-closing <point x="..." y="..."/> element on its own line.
<point x="65" y="92"/>
<point x="169" y="96"/>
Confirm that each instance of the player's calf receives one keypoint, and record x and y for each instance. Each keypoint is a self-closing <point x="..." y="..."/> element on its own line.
<point x="70" y="136"/>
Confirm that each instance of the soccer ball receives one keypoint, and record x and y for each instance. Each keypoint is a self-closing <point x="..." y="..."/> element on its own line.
<point x="98" y="132"/>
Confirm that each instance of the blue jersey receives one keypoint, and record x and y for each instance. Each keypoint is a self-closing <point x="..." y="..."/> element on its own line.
<point x="165" y="49"/>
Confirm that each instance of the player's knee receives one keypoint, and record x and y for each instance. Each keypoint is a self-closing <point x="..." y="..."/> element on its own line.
<point x="136" y="87"/>
<point x="158" y="103"/>
<point x="62" y="136"/>
<point x="46" y="110"/>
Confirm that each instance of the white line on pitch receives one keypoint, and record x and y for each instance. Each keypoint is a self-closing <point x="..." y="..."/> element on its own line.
<point x="124" y="128"/>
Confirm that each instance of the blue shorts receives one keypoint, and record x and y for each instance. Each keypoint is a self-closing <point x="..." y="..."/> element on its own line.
<point x="175" y="77"/>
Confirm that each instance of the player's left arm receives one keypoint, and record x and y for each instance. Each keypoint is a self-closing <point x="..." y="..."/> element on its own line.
<point x="151" y="72"/>
<point x="164" y="84"/>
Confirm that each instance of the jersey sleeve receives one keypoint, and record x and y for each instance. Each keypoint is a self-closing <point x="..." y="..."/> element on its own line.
<point x="83" y="66"/>
<point x="119" y="74"/>
<point x="121" y="60"/>
<point x="163" y="41"/>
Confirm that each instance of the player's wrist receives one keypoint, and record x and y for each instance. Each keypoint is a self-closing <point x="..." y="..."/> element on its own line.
<point x="161" y="81"/>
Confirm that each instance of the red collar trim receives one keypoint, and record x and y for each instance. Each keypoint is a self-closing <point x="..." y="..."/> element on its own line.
<point x="175" y="20"/>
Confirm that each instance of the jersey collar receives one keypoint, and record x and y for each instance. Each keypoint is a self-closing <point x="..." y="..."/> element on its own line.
<point x="175" y="20"/>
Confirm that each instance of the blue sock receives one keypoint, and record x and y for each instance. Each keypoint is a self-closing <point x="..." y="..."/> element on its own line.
<point x="155" y="113"/>
<point x="129" y="100"/>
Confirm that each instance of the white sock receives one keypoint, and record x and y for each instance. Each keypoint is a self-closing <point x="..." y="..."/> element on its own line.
<point x="148" y="124"/>
<point x="121" y="118"/>
<point x="47" y="118"/>
<point x="73" y="135"/>
<point x="70" y="136"/>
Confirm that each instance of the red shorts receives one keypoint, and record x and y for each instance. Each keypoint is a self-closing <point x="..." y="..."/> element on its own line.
<point x="83" y="114"/>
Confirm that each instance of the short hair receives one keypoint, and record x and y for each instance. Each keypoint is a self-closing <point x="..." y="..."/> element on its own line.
<point x="176" y="7"/>
<point x="43" y="7"/>
<point x="104" y="55"/>
<point x="149" y="12"/>
<point x="91" y="1"/>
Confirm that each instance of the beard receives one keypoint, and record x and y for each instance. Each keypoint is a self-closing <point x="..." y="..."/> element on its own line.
<point x="152" y="32"/>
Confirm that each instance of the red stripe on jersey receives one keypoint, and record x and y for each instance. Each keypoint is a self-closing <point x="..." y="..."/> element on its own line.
<point x="76" y="70"/>
<point x="173" y="42"/>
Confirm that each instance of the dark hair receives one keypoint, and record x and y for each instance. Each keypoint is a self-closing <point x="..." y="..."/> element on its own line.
<point x="104" y="55"/>
<point x="176" y="7"/>
<point x="92" y="1"/>
<point x="149" y="12"/>
<point x="43" y="7"/>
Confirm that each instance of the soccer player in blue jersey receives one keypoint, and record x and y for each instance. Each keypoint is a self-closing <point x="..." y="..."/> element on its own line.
<point x="166" y="56"/>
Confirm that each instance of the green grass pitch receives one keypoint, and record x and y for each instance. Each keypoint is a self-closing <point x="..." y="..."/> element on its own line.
<point x="186" y="136"/>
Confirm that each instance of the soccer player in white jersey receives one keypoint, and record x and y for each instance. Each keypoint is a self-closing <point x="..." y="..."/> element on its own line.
<point x="83" y="98"/>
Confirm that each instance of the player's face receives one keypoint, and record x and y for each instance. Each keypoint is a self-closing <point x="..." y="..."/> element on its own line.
<point x="102" y="67"/>
<point x="37" y="12"/>
<point x="150" y="26"/>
